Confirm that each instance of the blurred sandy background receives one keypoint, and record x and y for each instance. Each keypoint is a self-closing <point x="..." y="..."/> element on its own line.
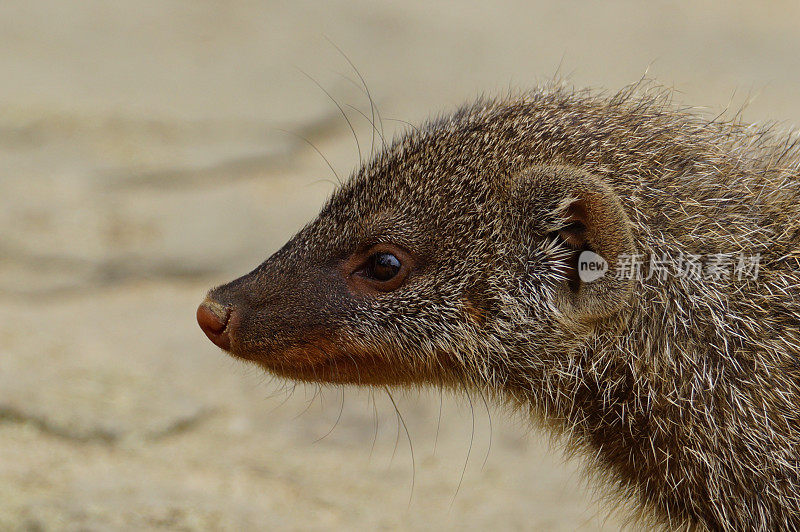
<point x="142" y="160"/>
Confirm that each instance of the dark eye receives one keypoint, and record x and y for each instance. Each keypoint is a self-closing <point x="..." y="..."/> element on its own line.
<point x="383" y="267"/>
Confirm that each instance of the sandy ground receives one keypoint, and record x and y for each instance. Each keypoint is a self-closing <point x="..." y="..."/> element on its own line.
<point x="152" y="149"/>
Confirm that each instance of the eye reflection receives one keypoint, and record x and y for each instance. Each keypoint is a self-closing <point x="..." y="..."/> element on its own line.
<point x="383" y="266"/>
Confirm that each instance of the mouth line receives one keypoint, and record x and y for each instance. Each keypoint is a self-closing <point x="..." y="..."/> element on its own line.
<point x="229" y="317"/>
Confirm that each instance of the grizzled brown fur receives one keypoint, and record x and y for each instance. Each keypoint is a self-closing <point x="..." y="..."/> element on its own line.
<point x="683" y="392"/>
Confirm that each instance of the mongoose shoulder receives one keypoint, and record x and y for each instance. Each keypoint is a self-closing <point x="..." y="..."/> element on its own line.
<point x="455" y="257"/>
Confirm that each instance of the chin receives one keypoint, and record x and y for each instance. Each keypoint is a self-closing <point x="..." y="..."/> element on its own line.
<point x="313" y="364"/>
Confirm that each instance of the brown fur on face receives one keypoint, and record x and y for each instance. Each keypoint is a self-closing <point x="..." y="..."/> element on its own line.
<point x="322" y="360"/>
<point x="683" y="392"/>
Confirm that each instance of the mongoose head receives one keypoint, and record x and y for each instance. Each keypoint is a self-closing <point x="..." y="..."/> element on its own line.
<point x="451" y="252"/>
<point x="454" y="259"/>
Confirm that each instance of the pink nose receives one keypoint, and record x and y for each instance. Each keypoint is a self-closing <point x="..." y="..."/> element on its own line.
<point x="213" y="319"/>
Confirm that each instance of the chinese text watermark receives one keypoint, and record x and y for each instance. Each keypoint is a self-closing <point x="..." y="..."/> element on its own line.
<point x="714" y="267"/>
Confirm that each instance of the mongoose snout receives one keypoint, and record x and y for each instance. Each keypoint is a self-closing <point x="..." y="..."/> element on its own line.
<point x="213" y="319"/>
<point x="293" y="314"/>
<point x="668" y="354"/>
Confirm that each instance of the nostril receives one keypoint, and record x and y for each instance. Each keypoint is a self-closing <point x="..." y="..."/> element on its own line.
<point x="213" y="318"/>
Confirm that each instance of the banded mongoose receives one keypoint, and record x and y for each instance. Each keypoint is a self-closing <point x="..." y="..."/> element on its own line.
<point x="453" y="258"/>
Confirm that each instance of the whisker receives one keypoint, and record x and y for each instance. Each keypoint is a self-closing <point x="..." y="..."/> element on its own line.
<point x="397" y="437"/>
<point x="438" y="421"/>
<point x="374" y="127"/>
<point x="344" y="115"/>
<point x="409" y="124"/>
<point x="371" y="121"/>
<point x="491" y="430"/>
<point x="323" y="180"/>
<point x="375" y="417"/>
<point x="317" y="391"/>
<point x="286" y="399"/>
<point x="358" y="370"/>
<point x="301" y="137"/>
<point x="372" y="105"/>
<point x="410" y="445"/>
<point x="338" y="418"/>
<point x="471" y="440"/>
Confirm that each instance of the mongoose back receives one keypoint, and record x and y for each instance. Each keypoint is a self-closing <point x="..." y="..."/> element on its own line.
<point x="456" y="258"/>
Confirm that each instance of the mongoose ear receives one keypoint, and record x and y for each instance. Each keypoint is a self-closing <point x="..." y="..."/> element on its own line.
<point x="584" y="213"/>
